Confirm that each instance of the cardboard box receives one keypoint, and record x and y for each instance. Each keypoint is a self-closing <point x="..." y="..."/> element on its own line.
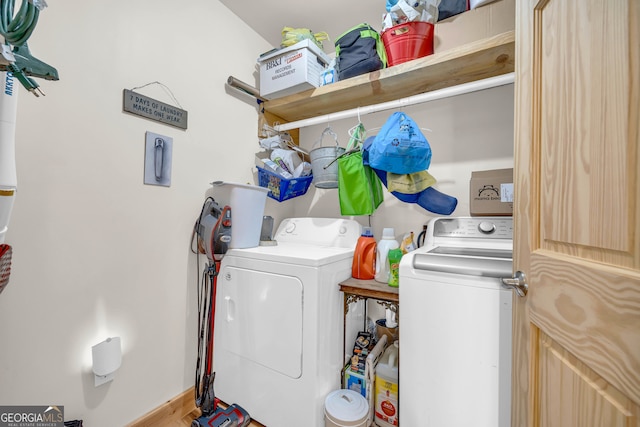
<point x="292" y="69"/>
<point x="491" y="193"/>
<point x="476" y="24"/>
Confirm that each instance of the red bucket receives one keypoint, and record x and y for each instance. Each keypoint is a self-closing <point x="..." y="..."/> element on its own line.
<point x="408" y="41"/>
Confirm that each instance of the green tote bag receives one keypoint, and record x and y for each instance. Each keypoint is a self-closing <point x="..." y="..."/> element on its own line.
<point x="359" y="188"/>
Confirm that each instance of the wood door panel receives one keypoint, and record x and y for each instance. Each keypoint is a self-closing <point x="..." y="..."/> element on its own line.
<point x="577" y="224"/>
<point x="571" y="394"/>
<point x="586" y="182"/>
<point x="592" y="313"/>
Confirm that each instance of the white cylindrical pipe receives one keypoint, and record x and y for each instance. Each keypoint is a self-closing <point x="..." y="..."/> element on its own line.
<point x="8" y="176"/>
<point x="461" y="89"/>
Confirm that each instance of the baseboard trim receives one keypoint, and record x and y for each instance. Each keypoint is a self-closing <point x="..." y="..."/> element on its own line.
<point x="169" y="413"/>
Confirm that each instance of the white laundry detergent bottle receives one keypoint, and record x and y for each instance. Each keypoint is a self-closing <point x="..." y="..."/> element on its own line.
<point x="385" y="244"/>
<point x="386" y="388"/>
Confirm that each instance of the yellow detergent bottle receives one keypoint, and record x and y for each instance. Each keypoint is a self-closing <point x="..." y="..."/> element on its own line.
<point x="386" y="388"/>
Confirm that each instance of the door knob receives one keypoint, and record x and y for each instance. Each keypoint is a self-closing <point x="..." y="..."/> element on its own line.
<point x="518" y="283"/>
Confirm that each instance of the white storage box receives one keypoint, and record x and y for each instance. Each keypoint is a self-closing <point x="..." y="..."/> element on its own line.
<point x="292" y="69"/>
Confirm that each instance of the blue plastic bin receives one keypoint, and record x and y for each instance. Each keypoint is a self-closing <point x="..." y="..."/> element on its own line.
<point x="280" y="188"/>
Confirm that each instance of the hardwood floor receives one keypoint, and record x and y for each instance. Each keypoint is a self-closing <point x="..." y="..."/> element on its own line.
<point x="177" y="412"/>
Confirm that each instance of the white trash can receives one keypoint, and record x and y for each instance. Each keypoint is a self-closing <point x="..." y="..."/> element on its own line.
<point x="345" y="408"/>
<point x="247" y="204"/>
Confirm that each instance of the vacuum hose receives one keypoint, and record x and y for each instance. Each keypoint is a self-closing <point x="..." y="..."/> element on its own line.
<point x="17" y="26"/>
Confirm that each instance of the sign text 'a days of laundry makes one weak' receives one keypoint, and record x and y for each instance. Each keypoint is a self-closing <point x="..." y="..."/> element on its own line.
<point x="150" y="108"/>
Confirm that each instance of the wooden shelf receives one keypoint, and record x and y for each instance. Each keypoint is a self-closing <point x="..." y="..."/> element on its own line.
<point x="369" y="289"/>
<point x="481" y="59"/>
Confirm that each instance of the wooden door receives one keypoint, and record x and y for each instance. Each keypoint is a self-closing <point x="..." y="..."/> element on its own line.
<point x="577" y="216"/>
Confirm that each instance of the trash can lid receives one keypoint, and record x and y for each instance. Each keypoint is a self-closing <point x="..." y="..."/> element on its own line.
<point x="346" y="405"/>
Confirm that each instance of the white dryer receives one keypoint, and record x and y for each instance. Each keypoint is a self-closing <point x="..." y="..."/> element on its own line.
<point x="279" y="321"/>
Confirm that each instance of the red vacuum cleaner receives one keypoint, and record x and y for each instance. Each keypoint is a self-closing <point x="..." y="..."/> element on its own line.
<point x="213" y="229"/>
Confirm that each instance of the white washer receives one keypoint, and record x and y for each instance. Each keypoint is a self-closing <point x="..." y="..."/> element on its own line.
<point x="456" y="317"/>
<point x="279" y="321"/>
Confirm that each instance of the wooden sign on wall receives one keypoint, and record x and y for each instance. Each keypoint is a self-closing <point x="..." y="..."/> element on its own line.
<point x="150" y="108"/>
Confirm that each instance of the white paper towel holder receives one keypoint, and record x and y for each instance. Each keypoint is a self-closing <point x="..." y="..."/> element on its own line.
<point x="107" y="358"/>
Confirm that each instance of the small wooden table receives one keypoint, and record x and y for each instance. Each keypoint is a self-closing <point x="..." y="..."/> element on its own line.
<point x="356" y="290"/>
<point x="361" y="289"/>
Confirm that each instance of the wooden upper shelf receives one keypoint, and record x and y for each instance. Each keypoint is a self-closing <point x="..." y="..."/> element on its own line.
<point x="481" y="59"/>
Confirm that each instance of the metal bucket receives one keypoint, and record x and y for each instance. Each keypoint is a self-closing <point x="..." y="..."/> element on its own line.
<point x="323" y="162"/>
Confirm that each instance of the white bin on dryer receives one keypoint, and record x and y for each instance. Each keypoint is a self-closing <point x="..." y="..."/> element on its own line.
<point x="247" y="209"/>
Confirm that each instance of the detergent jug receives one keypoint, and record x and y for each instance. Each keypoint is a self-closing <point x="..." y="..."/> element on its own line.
<point x="394" y="255"/>
<point x="385" y="244"/>
<point x="364" y="257"/>
<point x="386" y="388"/>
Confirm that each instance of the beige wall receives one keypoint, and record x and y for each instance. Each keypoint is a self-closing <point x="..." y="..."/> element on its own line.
<point x="96" y="252"/>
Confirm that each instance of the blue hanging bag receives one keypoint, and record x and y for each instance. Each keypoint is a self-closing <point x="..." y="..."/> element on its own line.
<point x="429" y="198"/>
<point x="400" y="147"/>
